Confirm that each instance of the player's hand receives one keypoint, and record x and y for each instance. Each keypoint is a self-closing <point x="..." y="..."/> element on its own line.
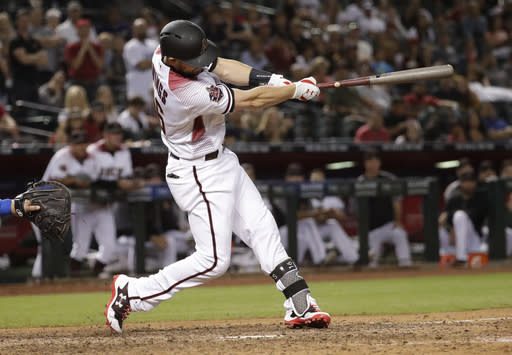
<point x="278" y="80"/>
<point x="29" y="207"/>
<point x="306" y="89"/>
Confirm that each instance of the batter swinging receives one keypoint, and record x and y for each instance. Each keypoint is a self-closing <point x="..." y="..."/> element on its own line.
<point x="206" y="179"/>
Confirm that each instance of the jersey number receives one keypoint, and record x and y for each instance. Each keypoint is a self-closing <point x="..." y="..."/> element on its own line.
<point x="160" y="113"/>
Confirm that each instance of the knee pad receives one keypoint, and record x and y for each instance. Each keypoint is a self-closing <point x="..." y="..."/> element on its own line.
<point x="294" y="287"/>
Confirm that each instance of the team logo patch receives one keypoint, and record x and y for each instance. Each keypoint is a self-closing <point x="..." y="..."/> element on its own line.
<point x="215" y="93"/>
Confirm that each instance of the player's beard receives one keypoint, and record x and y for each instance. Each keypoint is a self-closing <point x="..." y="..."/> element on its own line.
<point x="189" y="74"/>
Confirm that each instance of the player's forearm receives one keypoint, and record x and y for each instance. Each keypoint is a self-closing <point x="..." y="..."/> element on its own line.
<point x="232" y="71"/>
<point x="262" y="97"/>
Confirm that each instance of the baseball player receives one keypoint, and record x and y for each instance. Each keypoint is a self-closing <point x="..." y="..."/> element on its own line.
<point x="329" y="211"/>
<point x="72" y="167"/>
<point x="206" y="179"/>
<point x="384" y="216"/>
<point x="113" y="170"/>
<point x="308" y="235"/>
<point x="461" y="222"/>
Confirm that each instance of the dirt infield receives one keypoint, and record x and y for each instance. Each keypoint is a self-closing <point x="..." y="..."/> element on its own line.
<point x="474" y="332"/>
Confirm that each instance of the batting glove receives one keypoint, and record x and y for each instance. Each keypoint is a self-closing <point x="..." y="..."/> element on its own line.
<point x="278" y="80"/>
<point x="306" y="89"/>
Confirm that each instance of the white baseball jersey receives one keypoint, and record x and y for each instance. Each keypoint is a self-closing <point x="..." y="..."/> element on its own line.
<point x="61" y="165"/>
<point x="191" y="110"/>
<point x="111" y="166"/>
<point x="64" y="164"/>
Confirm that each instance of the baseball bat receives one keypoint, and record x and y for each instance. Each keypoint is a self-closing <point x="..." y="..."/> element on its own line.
<point x="396" y="77"/>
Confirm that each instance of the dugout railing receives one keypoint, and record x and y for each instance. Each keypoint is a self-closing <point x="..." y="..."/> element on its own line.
<point x="362" y="191"/>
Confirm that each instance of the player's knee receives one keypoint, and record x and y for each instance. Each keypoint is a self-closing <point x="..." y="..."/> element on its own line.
<point x="221" y="266"/>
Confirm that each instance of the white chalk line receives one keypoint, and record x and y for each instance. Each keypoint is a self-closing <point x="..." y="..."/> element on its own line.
<point x="257" y="336"/>
<point x="473" y="341"/>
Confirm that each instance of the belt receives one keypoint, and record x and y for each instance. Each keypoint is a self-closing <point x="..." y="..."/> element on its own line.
<point x="209" y="156"/>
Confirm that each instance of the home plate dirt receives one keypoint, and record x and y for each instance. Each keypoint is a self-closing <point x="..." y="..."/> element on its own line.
<point x="474" y="332"/>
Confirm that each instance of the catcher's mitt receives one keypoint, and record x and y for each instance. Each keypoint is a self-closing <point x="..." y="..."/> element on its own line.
<point x="54" y="216"/>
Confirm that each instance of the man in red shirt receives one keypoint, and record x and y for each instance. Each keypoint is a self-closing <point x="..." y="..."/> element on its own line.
<point x="84" y="59"/>
<point x="373" y="131"/>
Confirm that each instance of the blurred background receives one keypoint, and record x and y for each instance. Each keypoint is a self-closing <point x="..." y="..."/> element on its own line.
<point x="50" y="88"/>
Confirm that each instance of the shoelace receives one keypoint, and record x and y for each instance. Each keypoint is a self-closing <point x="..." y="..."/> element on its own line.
<point x="126" y="312"/>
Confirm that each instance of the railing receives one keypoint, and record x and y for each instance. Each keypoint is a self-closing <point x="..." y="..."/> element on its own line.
<point x="362" y="191"/>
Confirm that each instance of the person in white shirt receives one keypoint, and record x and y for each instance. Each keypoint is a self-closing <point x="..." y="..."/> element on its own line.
<point x="137" y="53"/>
<point x="136" y="124"/>
<point x="67" y="29"/>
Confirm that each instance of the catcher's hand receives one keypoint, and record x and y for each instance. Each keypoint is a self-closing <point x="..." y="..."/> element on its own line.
<point x="54" y="215"/>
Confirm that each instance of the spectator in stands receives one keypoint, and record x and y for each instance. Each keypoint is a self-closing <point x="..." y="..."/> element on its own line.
<point x="497" y="127"/>
<point x="506" y="173"/>
<point x="274" y="127"/>
<point x="395" y="120"/>
<point x="69" y="29"/>
<point x="384" y="216"/>
<point x="76" y="98"/>
<point x="476" y="131"/>
<point x="444" y="51"/>
<point x="474" y="25"/>
<point x="114" y="24"/>
<point x="52" y="92"/>
<point x="8" y="126"/>
<point x="7" y="33"/>
<point x="373" y="131"/>
<point x="137" y="55"/>
<point x="136" y="124"/>
<point x="464" y="167"/>
<point x="104" y="95"/>
<point x="26" y="57"/>
<point x="254" y="56"/>
<point x="463" y="218"/>
<point x="84" y="59"/>
<point x="106" y="40"/>
<point x="486" y="172"/>
<point x="457" y="132"/>
<point x="47" y="36"/>
<point x="354" y="40"/>
<point x="95" y="121"/>
<point x="497" y="38"/>
<point x="115" y="73"/>
<point x="413" y="133"/>
<point x="74" y="121"/>
<point x="371" y="25"/>
<point x="280" y="54"/>
<point x="419" y="99"/>
<point x="329" y="218"/>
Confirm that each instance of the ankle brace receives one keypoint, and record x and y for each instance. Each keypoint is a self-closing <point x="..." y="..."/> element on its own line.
<point x="294" y="287"/>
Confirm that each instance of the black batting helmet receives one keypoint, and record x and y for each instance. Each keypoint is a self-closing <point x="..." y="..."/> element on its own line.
<point x="187" y="42"/>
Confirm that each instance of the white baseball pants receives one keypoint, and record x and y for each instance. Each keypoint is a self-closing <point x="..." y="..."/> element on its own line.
<point x="87" y="219"/>
<point x="341" y="240"/>
<point x="466" y="238"/>
<point x="220" y="199"/>
<point x="389" y="234"/>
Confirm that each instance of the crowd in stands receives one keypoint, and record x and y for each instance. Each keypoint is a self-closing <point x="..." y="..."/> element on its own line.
<point x="70" y="60"/>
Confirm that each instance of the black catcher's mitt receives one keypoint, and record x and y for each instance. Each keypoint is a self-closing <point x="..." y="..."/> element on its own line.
<point x="54" y="216"/>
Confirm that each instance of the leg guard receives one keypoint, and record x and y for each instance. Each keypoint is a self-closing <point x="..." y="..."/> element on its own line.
<point x="294" y="287"/>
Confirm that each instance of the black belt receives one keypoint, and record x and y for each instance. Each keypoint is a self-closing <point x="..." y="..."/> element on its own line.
<point x="209" y="156"/>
